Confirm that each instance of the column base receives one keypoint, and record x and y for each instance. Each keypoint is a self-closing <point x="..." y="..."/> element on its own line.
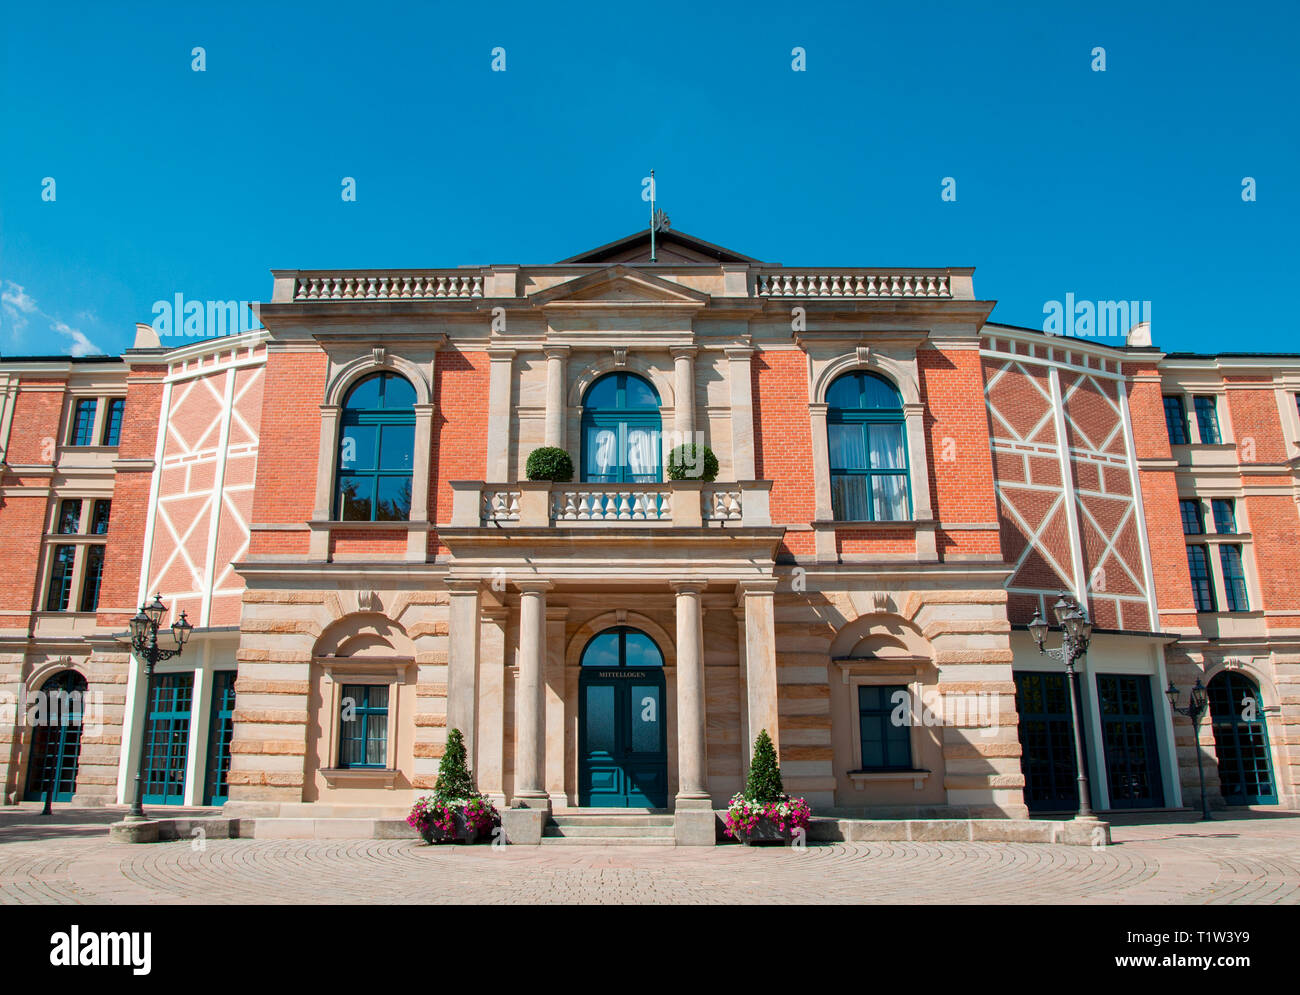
<point x="523" y="826"/>
<point x="694" y="821"/>
<point x="1085" y="830"/>
<point x="539" y="799"/>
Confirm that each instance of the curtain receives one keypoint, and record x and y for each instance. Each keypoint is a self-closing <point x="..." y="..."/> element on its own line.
<point x="848" y="447"/>
<point x="605" y="452"/>
<point x="641" y="453"/>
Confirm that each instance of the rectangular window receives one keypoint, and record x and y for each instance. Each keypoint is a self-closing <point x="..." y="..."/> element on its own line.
<point x="94" y="574"/>
<point x="1176" y="420"/>
<point x="1225" y="516"/>
<point x="99" y="520"/>
<point x="363" y="726"/>
<point x="1207" y="418"/>
<point x="884" y="718"/>
<point x="1193" y="517"/>
<point x="1198" y="565"/>
<point x="69" y="517"/>
<point x="83" y="422"/>
<point x="113" y="420"/>
<point x="868" y="472"/>
<point x="1234" y="579"/>
<point x="56" y="599"/>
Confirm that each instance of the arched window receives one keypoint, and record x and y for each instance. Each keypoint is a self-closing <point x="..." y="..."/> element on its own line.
<point x="1241" y="740"/>
<point x="620" y="431"/>
<point x="868" y="450"/>
<point x="56" y="746"/>
<point x="376" y="447"/>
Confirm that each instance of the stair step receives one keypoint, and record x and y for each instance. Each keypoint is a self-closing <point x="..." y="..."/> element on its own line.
<point x="601" y="819"/>
<point x="608" y="841"/>
<point x="649" y="832"/>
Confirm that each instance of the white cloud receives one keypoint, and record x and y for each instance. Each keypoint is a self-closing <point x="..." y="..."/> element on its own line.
<point x="17" y="306"/>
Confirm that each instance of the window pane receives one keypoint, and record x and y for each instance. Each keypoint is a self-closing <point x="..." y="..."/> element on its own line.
<point x="844" y="392"/>
<point x="113" y="421"/>
<point x="1207" y="418"/>
<point x="99" y="522"/>
<point x="365" y="395"/>
<point x="394" y="499"/>
<point x="56" y="599"/>
<point x="886" y="447"/>
<point x="1198" y="566"/>
<point x="69" y="517"/>
<point x="639" y="394"/>
<point x="357" y="448"/>
<point x="646" y="708"/>
<point x="94" y="575"/>
<point x="643" y="456"/>
<point x="849" y="498"/>
<point x="355" y="496"/>
<point x="1225" y="515"/>
<point x="83" y="422"/>
<point x="1191" y="513"/>
<point x="602" y="651"/>
<point x="878" y="393"/>
<point x="398" y="393"/>
<point x="1176" y="420"/>
<point x="602" y="394"/>
<point x="396" y="446"/>
<point x="1234" y="579"/>
<point x="640" y="651"/>
<point x="889" y="492"/>
<point x="848" y="446"/>
<point x="600" y="718"/>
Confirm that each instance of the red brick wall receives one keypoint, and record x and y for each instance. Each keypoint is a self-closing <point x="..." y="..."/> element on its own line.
<point x="783" y="441"/>
<point x="1256" y="425"/>
<point x="288" y="449"/>
<point x="460" y="397"/>
<point x="118" y="599"/>
<point x="1275" y="526"/>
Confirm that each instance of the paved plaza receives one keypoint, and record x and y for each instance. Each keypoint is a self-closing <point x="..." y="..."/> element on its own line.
<point x="67" y="859"/>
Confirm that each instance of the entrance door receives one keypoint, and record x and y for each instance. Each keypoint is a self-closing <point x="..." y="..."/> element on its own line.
<point x="1128" y="734"/>
<point x="1241" y="741"/>
<point x="221" y="729"/>
<point x="1046" y="742"/>
<point x="622" y="742"/>
<point x="56" y="745"/>
<point x="167" y="739"/>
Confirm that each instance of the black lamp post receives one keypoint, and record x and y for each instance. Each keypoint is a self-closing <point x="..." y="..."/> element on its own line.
<point x="1197" y="703"/>
<point x="144" y="639"/>
<point x="1076" y="630"/>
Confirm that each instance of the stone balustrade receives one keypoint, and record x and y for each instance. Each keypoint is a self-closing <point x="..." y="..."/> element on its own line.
<point x="541" y="504"/>
<point x="416" y="285"/>
<point x="933" y="283"/>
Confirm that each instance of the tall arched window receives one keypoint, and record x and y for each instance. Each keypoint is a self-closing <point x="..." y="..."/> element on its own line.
<point x="376" y="447"/>
<point x="1241" y="740"/>
<point x="620" y="431"/>
<point x="56" y="746"/>
<point x="868" y="450"/>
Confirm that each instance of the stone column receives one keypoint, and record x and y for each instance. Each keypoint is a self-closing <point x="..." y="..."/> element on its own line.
<point x="740" y="374"/>
<point x="500" y="386"/>
<point x="417" y="539"/>
<point x="555" y="407"/>
<point x="530" y="703"/>
<point x="684" y="388"/>
<point x="323" y="506"/>
<point x="462" y="660"/>
<point x="694" y="823"/>
<point x="823" y="509"/>
<point x="758" y="599"/>
<point x="553" y="723"/>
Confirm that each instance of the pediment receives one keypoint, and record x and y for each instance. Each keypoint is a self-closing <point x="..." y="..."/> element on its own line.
<point x="620" y="286"/>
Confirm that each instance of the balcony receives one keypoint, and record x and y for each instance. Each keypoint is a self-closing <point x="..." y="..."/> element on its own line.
<point x="671" y="504"/>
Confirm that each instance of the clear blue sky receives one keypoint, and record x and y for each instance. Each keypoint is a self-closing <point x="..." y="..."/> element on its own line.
<point x="1117" y="184"/>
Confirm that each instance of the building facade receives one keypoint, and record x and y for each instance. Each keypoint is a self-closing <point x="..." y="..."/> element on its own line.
<point x="340" y="503"/>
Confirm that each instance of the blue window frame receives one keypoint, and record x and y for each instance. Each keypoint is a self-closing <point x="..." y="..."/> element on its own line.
<point x="1241" y="741"/>
<point x="83" y="422"/>
<point x="1225" y="515"/>
<point x="113" y="421"/>
<point x="621" y="431"/>
<point x="886" y="742"/>
<point x="1234" y="579"/>
<point x="376" y="451"/>
<point x="99" y="519"/>
<point x="60" y="590"/>
<point x="1193" y="517"/>
<point x="1198" y="565"/>
<point x="221" y="730"/>
<point x="94" y="576"/>
<point x="363" y="726"/>
<point x="167" y="739"/>
<point x="1207" y="418"/>
<point x="69" y="517"/>
<point x="1176" y="420"/>
<point x="56" y="742"/>
<point x="868" y="450"/>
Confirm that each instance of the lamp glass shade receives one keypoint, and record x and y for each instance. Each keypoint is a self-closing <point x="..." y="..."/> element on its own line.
<point x="1038" y="629"/>
<point x="1061" y="609"/>
<point x="139" y="626"/>
<point x="1071" y="623"/>
<point x="1198" y="696"/>
<point x="1171" y="693"/>
<point x="1085" y="626"/>
<point x="155" y="610"/>
<point x="181" y="630"/>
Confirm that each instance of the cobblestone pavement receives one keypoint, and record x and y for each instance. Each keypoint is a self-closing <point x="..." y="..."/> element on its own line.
<point x="1242" y="860"/>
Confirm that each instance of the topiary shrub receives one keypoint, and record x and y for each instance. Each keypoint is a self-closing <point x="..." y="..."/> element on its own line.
<point x="549" y="463"/>
<point x="454" y="779"/>
<point x="692" y="462"/>
<point x="763" y="783"/>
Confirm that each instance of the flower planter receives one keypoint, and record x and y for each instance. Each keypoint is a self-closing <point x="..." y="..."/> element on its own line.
<point x="453" y="822"/>
<point x="465" y="831"/>
<point x="779" y="821"/>
<point x="765" y="831"/>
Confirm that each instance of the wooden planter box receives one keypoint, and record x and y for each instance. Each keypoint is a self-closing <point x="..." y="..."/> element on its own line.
<point x="463" y="832"/>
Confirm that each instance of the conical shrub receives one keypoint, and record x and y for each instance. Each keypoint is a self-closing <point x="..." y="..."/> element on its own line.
<point x="763" y="784"/>
<point x="454" y="778"/>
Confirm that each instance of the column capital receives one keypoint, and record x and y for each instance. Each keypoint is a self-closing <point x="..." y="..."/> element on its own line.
<point x="501" y="354"/>
<point x="758" y="586"/>
<point x="684" y="351"/>
<point x="555" y="351"/>
<point x="688" y="586"/>
<point x="533" y="585"/>
<point x="463" y="585"/>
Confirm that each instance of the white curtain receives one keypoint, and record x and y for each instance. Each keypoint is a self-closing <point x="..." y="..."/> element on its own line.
<point x="606" y="451"/>
<point x="848" y="449"/>
<point x="642" y="450"/>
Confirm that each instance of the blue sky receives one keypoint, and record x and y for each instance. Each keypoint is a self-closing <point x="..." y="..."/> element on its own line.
<point x="1123" y="184"/>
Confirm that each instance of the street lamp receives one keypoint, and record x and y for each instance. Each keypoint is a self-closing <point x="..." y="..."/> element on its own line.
<point x="1076" y="630"/>
<point x="144" y="627"/>
<point x="1196" y="706"/>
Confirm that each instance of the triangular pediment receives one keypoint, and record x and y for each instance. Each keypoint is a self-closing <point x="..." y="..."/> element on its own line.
<point x="619" y="285"/>
<point x="670" y="247"/>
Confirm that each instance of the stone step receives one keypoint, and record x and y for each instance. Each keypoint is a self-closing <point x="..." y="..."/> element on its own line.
<point x="608" y="841"/>
<point x="593" y="819"/>
<point x="621" y="831"/>
<point x="320" y="829"/>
